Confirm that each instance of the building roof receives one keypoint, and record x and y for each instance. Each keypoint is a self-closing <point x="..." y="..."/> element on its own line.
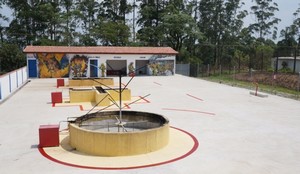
<point x="287" y="58"/>
<point x="100" y="50"/>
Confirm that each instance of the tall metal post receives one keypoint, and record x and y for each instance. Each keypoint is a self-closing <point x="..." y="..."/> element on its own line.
<point x="233" y="73"/>
<point x="208" y="70"/>
<point x="120" y="96"/>
<point x="299" y="83"/>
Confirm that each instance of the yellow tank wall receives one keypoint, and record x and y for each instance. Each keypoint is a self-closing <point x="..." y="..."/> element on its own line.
<point x="82" y="96"/>
<point x="89" y="82"/>
<point x="118" y="144"/>
<point x="100" y="96"/>
<point x="126" y="94"/>
<point x="105" y="81"/>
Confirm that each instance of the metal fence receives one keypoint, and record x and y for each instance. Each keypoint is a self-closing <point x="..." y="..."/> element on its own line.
<point x="274" y="80"/>
<point x="183" y="69"/>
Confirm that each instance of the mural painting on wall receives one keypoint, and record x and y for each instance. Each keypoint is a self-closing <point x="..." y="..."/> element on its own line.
<point x="160" y="67"/>
<point x="53" y="65"/>
<point x="78" y="66"/>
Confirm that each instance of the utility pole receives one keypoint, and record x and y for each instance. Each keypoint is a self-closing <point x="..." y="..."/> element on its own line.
<point x="133" y="21"/>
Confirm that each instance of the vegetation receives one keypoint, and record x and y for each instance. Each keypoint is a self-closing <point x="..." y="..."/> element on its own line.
<point x="202" y="31"/>
<point x="284" y="85"/>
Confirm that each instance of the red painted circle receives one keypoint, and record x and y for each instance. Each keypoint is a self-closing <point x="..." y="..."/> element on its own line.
<point x="193" y="149"/>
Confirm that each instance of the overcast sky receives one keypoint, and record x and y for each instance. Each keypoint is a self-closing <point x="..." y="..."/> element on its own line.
<point x="285" y="13"/>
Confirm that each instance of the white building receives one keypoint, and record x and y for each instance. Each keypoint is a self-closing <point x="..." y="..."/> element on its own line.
<point x="64" y="61"/>
<point x="286" y="61"/>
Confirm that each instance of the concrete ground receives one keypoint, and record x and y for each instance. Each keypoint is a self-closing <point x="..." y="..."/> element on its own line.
<point x="237" y="132"/>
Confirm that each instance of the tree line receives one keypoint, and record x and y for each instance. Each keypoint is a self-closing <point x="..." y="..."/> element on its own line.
<point x="202" y="31"/>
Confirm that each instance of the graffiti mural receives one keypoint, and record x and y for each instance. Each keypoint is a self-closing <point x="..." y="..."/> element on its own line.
<point x="160" y="65"/>
<point x="78" y="66"/>
<point x="53" y="65"/>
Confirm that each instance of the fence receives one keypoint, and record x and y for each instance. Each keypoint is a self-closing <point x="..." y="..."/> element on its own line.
<point x="233" y="74"/>
<point x="183" y="69"/>
<point x="11" y="82"/>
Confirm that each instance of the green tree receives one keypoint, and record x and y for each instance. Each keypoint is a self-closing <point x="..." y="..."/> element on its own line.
<point x="296" y="24"/>
<point x="151" y="12"/>
<point x="2" y="19"/>
<point x="68" y="22"/>
<point x="115" y="10"/>
<point x="112" y="33"/>
<point x="221" y="22"/>
<point x="86" y="13"/>
<point x="11" y="57"/>
<point x="111" y="28"/>
<point x="21" y="28"/>
<point x="178" y="26"/>
<point x="286" y="46"/>
<point x="264" y="53"/>
<point x="266" y="22"/>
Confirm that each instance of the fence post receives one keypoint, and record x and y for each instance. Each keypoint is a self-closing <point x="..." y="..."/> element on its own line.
<point x="208" y="70"/>
<point x="233" y="73"/>
<point x="197" y="69"/>
<point x="299" y="83"/>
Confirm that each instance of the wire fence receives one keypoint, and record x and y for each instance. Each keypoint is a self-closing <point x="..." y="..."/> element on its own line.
<point x="280" y="83"/>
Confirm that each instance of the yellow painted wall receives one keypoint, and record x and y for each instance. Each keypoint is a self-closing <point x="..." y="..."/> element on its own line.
<point x="89" y="82"/>
<point x="126" y="94"/>
<point x="118" y="144"/>
<point x="82" y="96"/>
<point x="103" y="98"/>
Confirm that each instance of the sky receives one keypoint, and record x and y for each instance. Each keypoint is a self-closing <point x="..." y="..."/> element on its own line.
<point x="285" y="13"/>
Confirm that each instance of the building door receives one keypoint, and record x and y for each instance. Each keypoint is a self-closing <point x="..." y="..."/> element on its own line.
<point x="32" y="68"/>
<point x="141" y="67"/>
<point x="93" y="67"/>
<point x="114" y="66"/>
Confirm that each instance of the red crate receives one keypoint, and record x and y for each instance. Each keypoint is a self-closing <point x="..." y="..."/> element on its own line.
<point x="49" y="135"/>
<point x="56" y="97"/>
<point x="60" y="82"/>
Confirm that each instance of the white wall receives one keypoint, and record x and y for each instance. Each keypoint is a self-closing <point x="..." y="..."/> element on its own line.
<point x="11" y="81"/>
<point x="102" y="58"/>
<point x="289" y="61"/>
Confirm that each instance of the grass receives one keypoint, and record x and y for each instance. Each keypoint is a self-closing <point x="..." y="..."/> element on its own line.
<point x="276" y="90"/>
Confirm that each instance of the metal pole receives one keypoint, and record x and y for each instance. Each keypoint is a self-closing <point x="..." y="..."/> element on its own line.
<point x="133" y="21"/>
<point x="208" y="70"/>
<point x="197" y="70"/>
<point x="233" y="73"/>
<point x="120" y="97"/>
<point x="299" y="83"/>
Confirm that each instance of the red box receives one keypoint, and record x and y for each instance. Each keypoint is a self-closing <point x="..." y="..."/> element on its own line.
<point x="60" y="82"/>
<point x="56" y="97"/>
<point x="49" y="135"/>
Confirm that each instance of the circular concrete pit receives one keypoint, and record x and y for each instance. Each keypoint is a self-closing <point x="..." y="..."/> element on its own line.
<point x="103" y="134"/>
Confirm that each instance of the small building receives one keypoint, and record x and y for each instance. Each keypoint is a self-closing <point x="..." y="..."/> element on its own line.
<point x="98" y="61"/>
<point x="286" y="62"/>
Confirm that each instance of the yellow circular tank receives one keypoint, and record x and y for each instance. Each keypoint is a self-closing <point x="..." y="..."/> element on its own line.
<point x="103" y="134"/>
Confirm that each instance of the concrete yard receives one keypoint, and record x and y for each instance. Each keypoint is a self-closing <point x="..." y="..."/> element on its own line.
<point x="237" y="132"/>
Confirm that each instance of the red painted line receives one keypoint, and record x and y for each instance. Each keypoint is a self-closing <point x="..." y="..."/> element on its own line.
<point x="143" y="98"/>
<point x="186" y="110"/>
<point x="127" y="106"/>
<point x="194" y="97"/>
<point x="193" y="149"/>
<point x="81" y="107"/>
<point x="158" y="83"/>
